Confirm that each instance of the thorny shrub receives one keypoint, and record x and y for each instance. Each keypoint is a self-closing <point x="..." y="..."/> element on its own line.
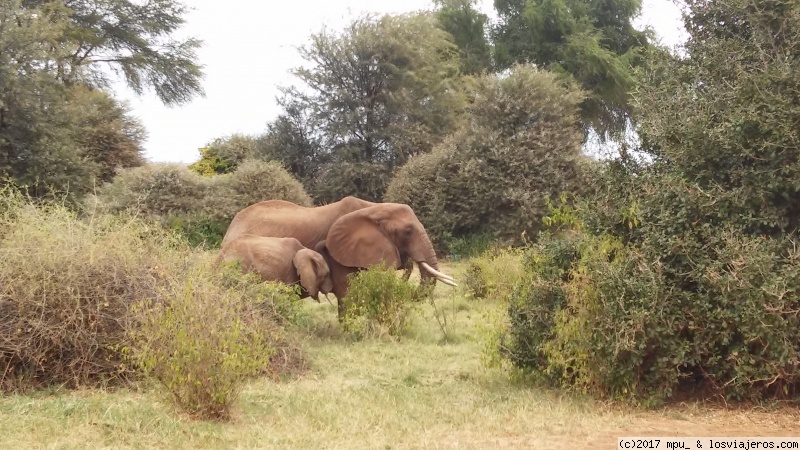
<point x="69" y="287"/>
<point x="198" y="207"/>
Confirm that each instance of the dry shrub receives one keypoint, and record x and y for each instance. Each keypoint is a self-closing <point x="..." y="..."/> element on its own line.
<point x="68" y="288"/>
<point x="198" y="207"/>
<point x="167" y="189"/>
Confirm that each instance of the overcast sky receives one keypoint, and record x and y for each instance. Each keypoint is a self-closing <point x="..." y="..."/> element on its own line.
<point x="250" y="46"/>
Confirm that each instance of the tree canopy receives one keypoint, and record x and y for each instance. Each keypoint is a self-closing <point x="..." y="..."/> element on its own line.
<point x="58" y="129"/>
<point x="521" y="145"/>
<point x="594" y="41"/>
<point x="379" y="92"/>
<point x="132" y="38"/>
<point x="725" y="115"/>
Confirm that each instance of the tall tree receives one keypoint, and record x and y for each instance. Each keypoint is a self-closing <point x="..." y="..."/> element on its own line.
<point x="58" y="131"/>
<point x="132" y="38"/>
<point x="35" y="143"/>
<point x="381" y="91"/>
<point x="292" y="140"/>
<point x="594" y="41"/>
<point x="468" y="26"/>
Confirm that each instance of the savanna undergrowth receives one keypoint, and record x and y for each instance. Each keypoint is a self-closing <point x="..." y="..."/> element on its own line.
<point x="208" y="335"/>
<point x="80" y="296"/>
<point x="495" y="273"/>
<point x="378" y="303"/>
<point x="709" y="311"/>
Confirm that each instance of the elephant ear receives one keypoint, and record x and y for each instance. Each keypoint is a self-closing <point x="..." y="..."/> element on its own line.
<point x="357" y="240"/>
<point x="307" y="271"/>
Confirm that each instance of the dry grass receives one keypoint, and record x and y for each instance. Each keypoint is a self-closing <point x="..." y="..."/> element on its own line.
<point x="412" y="393"/>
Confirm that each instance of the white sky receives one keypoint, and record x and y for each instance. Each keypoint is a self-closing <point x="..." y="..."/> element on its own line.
<point x="249" y="48"/>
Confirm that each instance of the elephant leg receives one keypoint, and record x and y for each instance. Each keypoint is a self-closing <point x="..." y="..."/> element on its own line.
<point x="341" y="281"/>
<point x="341" y="309"/>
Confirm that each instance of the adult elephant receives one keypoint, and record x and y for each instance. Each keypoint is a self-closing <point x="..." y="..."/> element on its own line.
<point x="279" y="218"/>
<point x="385" y="233"/>
<point x="281" y="259"/>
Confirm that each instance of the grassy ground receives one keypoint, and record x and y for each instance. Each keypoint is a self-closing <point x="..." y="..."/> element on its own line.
<point x="418" y="392"/>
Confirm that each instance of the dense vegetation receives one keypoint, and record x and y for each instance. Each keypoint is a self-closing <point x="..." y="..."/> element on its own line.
<point x="681" y="270"/>
<point x="520" y="145"/>
<point x="669" y="268"/>
<point x="82" y="299"/>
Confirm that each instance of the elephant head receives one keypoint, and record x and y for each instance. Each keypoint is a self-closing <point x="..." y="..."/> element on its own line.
<point x="313" y="271"/>
<point x="387" y="233"/>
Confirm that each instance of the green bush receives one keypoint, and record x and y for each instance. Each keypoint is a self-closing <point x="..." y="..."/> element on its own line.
<point x="520" y="146"/>
<point x="707" y="310"/>
<point x="198" y="229"/>
<point x="198" y="207"/>
<point x="202" y="341"/>
<point x="534" y="302"/>
<point x="378" y="302"/>
<point x="586" y="320"/>
<point x="475" y="280"/>
<point x="469" y="246"/>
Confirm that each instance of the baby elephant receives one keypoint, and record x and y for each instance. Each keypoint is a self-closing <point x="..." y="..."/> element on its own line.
<point x="281" y="259"/>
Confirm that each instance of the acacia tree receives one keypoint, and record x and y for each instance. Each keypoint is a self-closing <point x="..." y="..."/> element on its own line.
<point x="595" y="42"/>
<point x="133" y="39"/>
<point x="379" y="92"/>
<point x="58" y="130"/>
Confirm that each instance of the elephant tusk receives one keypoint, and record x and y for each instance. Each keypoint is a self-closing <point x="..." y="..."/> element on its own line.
<point x="451" y="283"/>
<point x="436" y="273"/>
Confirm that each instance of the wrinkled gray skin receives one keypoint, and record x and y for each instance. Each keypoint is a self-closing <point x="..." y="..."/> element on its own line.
<point x="387" y="233"/>
<point x="278" y="218"/>
<point x="281" y="259"/>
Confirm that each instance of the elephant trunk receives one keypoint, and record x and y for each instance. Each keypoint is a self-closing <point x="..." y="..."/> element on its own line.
<point x="429" y="266"/>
